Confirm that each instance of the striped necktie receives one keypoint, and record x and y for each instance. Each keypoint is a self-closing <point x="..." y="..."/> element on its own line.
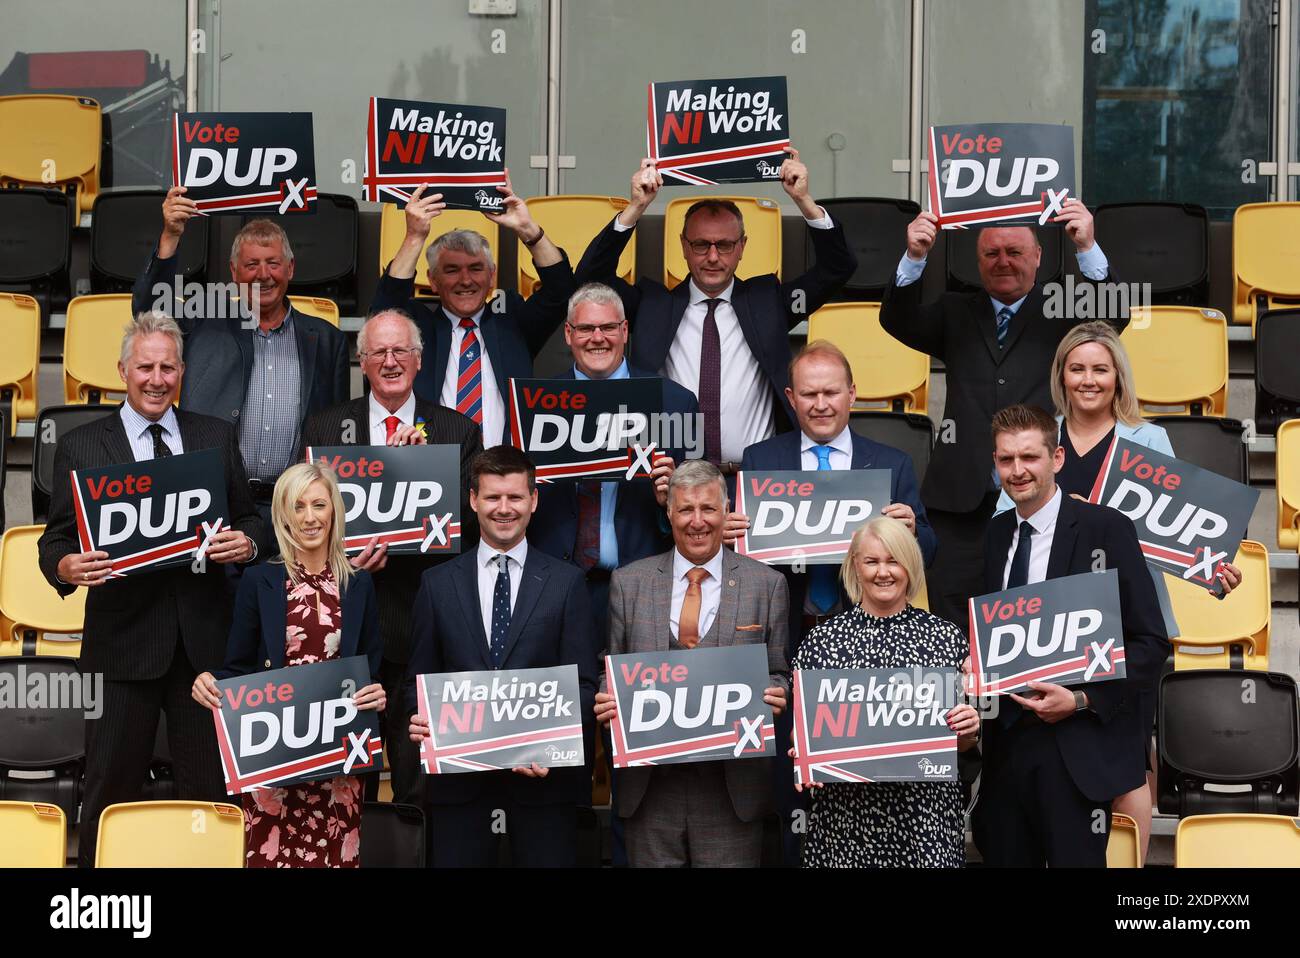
<point x="469" y="383"/>
<point x="1004" y="323"/>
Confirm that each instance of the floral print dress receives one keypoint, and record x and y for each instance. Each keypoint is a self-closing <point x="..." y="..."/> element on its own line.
<point x="312" y="824"/>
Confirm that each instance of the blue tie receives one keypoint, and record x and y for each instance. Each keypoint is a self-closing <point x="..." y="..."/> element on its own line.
<point x="823" y="583"/>
<point x="500" y="611"/>
<point x="1004" y="323"/>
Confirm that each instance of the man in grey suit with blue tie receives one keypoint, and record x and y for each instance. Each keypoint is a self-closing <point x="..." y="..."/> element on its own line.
<point x="698" y="594"/>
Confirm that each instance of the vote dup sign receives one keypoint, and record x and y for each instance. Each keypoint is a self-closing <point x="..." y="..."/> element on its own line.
<point x="1067" y="631"/>
<point x="233" y="162"/>
<point x="1189" y="520"/>
<point x="458" y="151"/>
<point x="152" y="514"/>
<point x="296" y="724"/>
<point x="992" y="172"/>
<point x="479" y="721"/>
<point x="586" y="428"/>
<point x="696" y="705"/>
<point x="806" y="516"/>
<point x="718" y="131"/>
<point x="406" y="496"/>
<point x="874" y="725"/>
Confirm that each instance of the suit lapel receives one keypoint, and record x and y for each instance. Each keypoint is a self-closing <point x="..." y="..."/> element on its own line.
<point x="986" y="321"/>
<point x="740" y="303"/>
<point x="531" y="586"/>
<point x="468" y="597"/>
<point x="999" y="544"/>
<point x="306" y="359"/>
<point x="729" y="606"/>
<point x="1020" y="322"/>
<point x="489" y="327"/>
<point x="861" y="452"/>
<point x="662" y="608"/>
<point x="1058" y="560"/>
<point x="360" y="416"/>
<point x="681" y="300"/>
<point x="116" y="444"/>
<point x="275" y="611"/>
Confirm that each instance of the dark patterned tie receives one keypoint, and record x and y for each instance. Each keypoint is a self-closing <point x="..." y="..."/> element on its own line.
<point x="711" y="383"/>
<point x="160" y="448"/>
<point x="586" y="550"/>
<point x="500" y="611"/>
<point x="1019" y="574"/>
<point x="1004" y="323"/>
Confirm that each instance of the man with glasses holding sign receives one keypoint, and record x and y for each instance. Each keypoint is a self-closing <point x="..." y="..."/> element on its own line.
<point x="148" y="634"/>
<point x="725" y="339"/>
<point x="391" y="350"/>
<point x="1055" y="757"/>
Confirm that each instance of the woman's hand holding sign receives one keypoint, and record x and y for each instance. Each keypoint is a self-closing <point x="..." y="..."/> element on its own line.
<point x="85" y="568"/>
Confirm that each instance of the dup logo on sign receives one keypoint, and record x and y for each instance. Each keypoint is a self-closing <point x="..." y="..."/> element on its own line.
<point x="806" y="516"/>
<point x="235" y="162"/>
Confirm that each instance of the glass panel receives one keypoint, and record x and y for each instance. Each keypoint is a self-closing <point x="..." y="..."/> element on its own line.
<point x="331" y="56"/>
<point x="848" y="90"/>
<point x="129" y="57"/>
<point x="1178" y="101"/>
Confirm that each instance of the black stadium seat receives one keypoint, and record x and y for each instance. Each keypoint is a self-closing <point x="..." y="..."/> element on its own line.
<point x="35" y="245"/>
<point x="1277" y="377"/>
<point x="392" y="835"/>
<point x="1164" y="244"/>
<point x="911" y="432"/>
<point x="876" y="229"/>
<point x="124" y="233"/>
<point x="1228" y="727"/>
<point x="324" y="250"/>
<point x="1210" y="443"/>
<point x="963" y="264"/>
<point x="52" y="423"/>
<point x="44" y="738"/>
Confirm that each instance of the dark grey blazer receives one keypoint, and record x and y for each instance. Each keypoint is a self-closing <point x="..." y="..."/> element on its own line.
<point x="132" y="623"/>
<point x="640" y="600"/>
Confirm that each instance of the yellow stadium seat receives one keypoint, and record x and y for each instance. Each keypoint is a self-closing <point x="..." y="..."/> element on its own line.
<point x="889" y="376"/>
<point x="1209" y="626"/>
<point x="92" y="343"/>
<point x="20" y="359"/>
<point x="171" y="835"/>
<point x="1265" y="251"/>
<point x="29" y="604"/>
<point x="392" y="230"/>
<point x="32" y="835"/>
<point x="762" y="227"/>
<point x="317" y="306"/>
<point x="572" y="222"/>
<point x="1237" y="841"/>
<point x="1288" y="484"/>
<point x="1124" y="850"/>
<point x="52" y="141"/>
<point x="1180" y="359"/>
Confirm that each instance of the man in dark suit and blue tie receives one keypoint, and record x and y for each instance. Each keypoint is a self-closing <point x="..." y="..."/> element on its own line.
<point x="821" y="392"/>
<point x="1055" y="757"/>
<point x="504" y="606"/>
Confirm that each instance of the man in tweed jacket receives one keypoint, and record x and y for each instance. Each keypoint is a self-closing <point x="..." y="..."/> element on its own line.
<point x="706" y="813"/>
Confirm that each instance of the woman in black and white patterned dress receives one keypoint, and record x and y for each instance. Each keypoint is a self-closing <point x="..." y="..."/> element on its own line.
<point x="887" y="824"/>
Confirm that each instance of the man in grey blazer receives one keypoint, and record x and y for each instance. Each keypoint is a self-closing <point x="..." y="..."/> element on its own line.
<point x="707" y="814"/>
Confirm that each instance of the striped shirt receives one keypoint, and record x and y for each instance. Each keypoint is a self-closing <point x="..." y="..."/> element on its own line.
<point x="141" y="439"/>
<point x="271" y="418"/>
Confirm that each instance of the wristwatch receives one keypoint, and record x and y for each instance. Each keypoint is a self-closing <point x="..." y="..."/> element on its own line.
<point x="1080" y="701"/>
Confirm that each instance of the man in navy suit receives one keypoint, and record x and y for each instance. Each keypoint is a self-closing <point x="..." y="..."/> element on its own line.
<point x="504" y="606"/>
<point x="725" y="339"/>
<point x="821" y="392"/>
<point x="601" y="526"/>
<point x="473" y="347"/>
<point x="1056" y="756"/>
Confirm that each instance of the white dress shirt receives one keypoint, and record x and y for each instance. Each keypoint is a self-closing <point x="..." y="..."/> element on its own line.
<point x="710" y="591"/>
<point x="841" y="450"/>
<point x="1040" y="545"/>
<point x="378" y="431"/>
<point x="141" y="439"/>
<point x="494" y="408"/>
<point x="487" y="579"/>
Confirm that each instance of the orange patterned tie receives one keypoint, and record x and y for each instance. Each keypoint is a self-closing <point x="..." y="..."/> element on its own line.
<point x="688" y="625"/>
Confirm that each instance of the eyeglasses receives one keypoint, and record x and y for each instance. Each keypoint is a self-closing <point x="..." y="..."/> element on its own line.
<point x="400" y="354"/>
<point x="701" y="247"/>
<point x="585" y="332"/>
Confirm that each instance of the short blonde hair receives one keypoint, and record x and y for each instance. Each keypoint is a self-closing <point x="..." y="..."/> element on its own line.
<point x="898" y="539"/>
<point x="1124" y="405"/>
<point x="289" y="488"/>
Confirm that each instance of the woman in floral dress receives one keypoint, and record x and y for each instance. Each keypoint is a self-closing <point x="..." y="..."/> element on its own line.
<point x="308" y="606"/>
<point x="887" y="824"/>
